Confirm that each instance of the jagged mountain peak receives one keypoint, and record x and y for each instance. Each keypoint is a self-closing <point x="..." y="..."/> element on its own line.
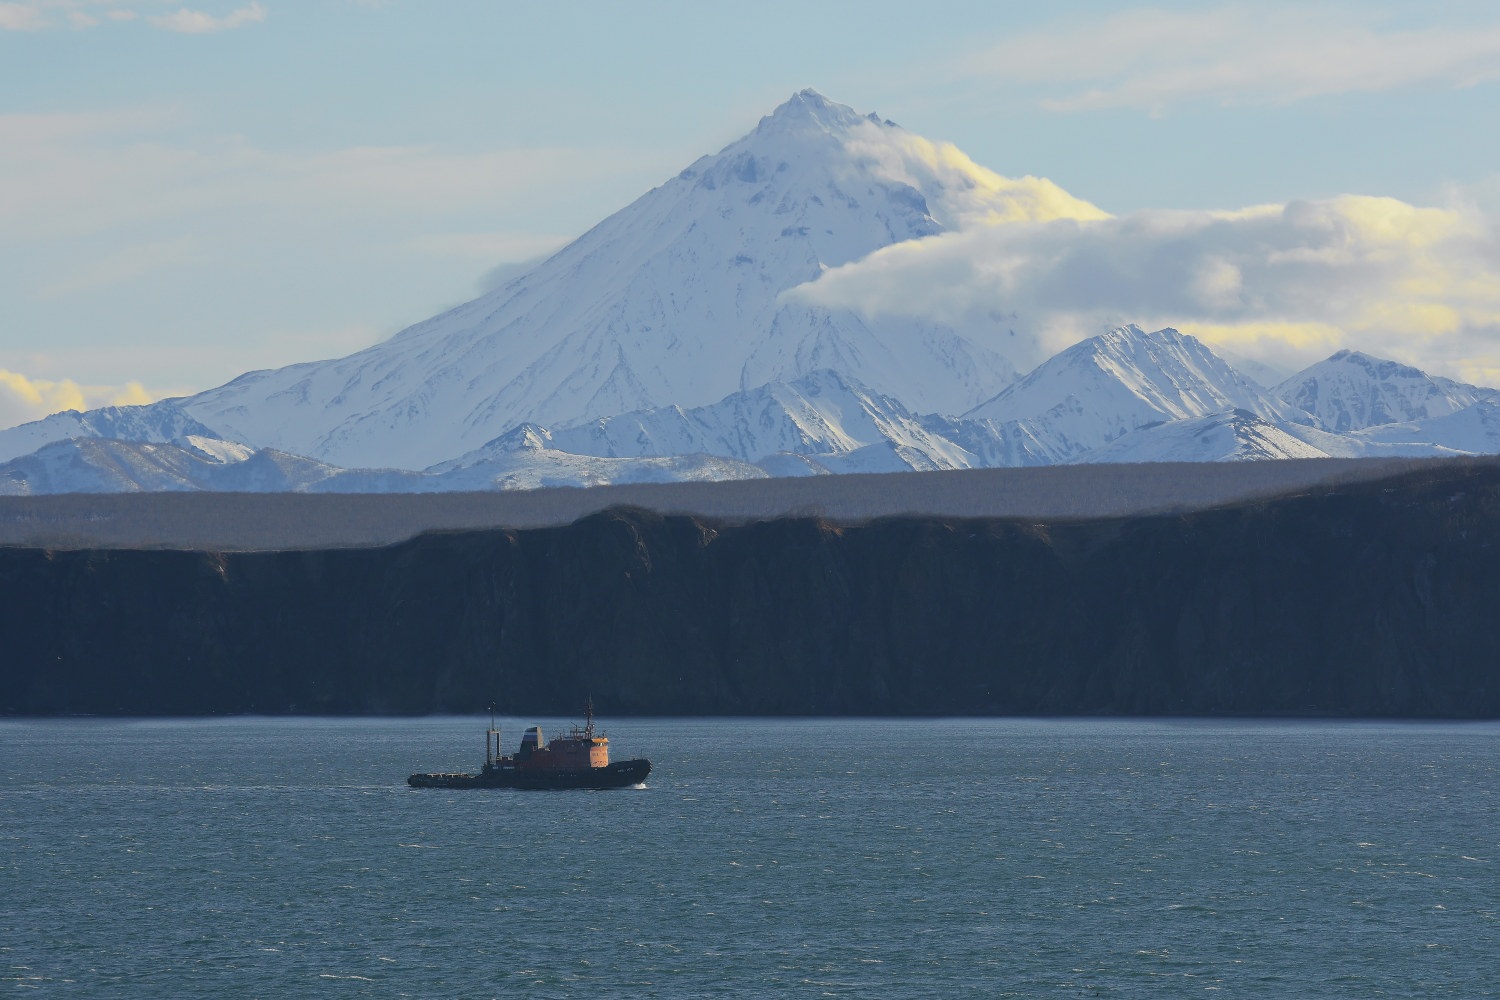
<point x="810" y="109"/>
<point x="826" y="418"/>
<point x="1165" y="369"/>
<point x="1377" y="367"/>
<point x="1350" y="391"/>
<point x="1134" y="339"/>
<point x="158" y="422"/>
<point x="1121" y="381"/>
<point x="1166" y="363"/>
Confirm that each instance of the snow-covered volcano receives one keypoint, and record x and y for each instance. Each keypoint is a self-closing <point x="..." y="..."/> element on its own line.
<point x="678" y="339"/>
<point x="674" y="300"/>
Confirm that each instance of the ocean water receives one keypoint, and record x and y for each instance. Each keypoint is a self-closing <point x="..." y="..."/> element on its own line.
<point x="985" y="858"/>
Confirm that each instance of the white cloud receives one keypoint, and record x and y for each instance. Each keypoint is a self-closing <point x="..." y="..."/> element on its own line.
<point x="23" y="17"/>
<point x="196" y="22"/>
<point x="23" y="399"/>
<point x="1286" y="284"/>
<point x="970" y="194"/>
<point x="37" y="15"/>
<point x="1260" y="54"/>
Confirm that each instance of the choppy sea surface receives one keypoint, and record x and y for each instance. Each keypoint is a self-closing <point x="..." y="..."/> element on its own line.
<point x="986" y="858"/>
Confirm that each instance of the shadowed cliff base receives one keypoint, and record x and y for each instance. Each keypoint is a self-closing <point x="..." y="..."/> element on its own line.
<point x="1373" y="599"/>
<point x="265" y="521"/>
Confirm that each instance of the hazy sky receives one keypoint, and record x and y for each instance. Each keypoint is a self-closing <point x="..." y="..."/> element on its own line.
<point x="187" y="193"/>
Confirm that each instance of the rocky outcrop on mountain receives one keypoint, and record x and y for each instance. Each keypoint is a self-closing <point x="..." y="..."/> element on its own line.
<point x="1374" y="600"/>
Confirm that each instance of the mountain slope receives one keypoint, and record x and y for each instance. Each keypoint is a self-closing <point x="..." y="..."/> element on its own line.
<point x="820" y="414"/>
<point x="674" y="300"/>
<point x="1107" y="386"/>
<point x="100" y="465"/>
<point x="1351" y="391"/>
<point x="1473" y="430"/>
<point x="1235" y="436"/>
<point x="157" y="423"/>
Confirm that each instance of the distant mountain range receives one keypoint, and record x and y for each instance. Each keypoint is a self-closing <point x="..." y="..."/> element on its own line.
<point x="664" y="345"/>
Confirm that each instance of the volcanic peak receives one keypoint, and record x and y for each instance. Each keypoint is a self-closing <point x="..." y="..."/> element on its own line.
<point x="808" y="109"/>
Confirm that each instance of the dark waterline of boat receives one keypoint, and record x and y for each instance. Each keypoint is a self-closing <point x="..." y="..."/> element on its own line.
<point x="287" y="857"/>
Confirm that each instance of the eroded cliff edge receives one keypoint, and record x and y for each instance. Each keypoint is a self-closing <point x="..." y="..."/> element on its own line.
<point x="1375" y="600"/>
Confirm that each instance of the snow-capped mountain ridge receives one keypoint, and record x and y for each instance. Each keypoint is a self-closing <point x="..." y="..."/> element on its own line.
<point x="820" y="413"/>
<point x="156" y="423"/>
<point x="818" y="424"/>
<point x="1236" y="435"/>
<point x="808" y="109"/>
<point x="822" y="418"/>
<point x="1351" y="391"/>
<point x="1107" y="386"/>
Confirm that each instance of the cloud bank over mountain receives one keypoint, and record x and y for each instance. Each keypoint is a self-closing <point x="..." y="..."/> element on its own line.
<point x="1281" y="283"/>
<point x="965" y="193"/>
<point x="23" y="399"/>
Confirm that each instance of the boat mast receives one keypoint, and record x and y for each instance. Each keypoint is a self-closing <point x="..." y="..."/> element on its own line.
<point x="492" y="757"/>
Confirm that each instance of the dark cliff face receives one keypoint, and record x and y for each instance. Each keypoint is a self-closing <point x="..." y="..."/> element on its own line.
<point x="1376" y="601"/>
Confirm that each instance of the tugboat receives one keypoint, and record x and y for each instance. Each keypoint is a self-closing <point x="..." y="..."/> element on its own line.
<point x="578" y="760"/>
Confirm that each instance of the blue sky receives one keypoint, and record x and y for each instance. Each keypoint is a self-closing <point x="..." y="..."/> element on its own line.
<point x="189" y="192"/>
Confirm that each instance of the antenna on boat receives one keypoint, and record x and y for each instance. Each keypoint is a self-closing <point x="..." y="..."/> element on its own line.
<point x="490" y="757"/>
<point x="588" y="716"/>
